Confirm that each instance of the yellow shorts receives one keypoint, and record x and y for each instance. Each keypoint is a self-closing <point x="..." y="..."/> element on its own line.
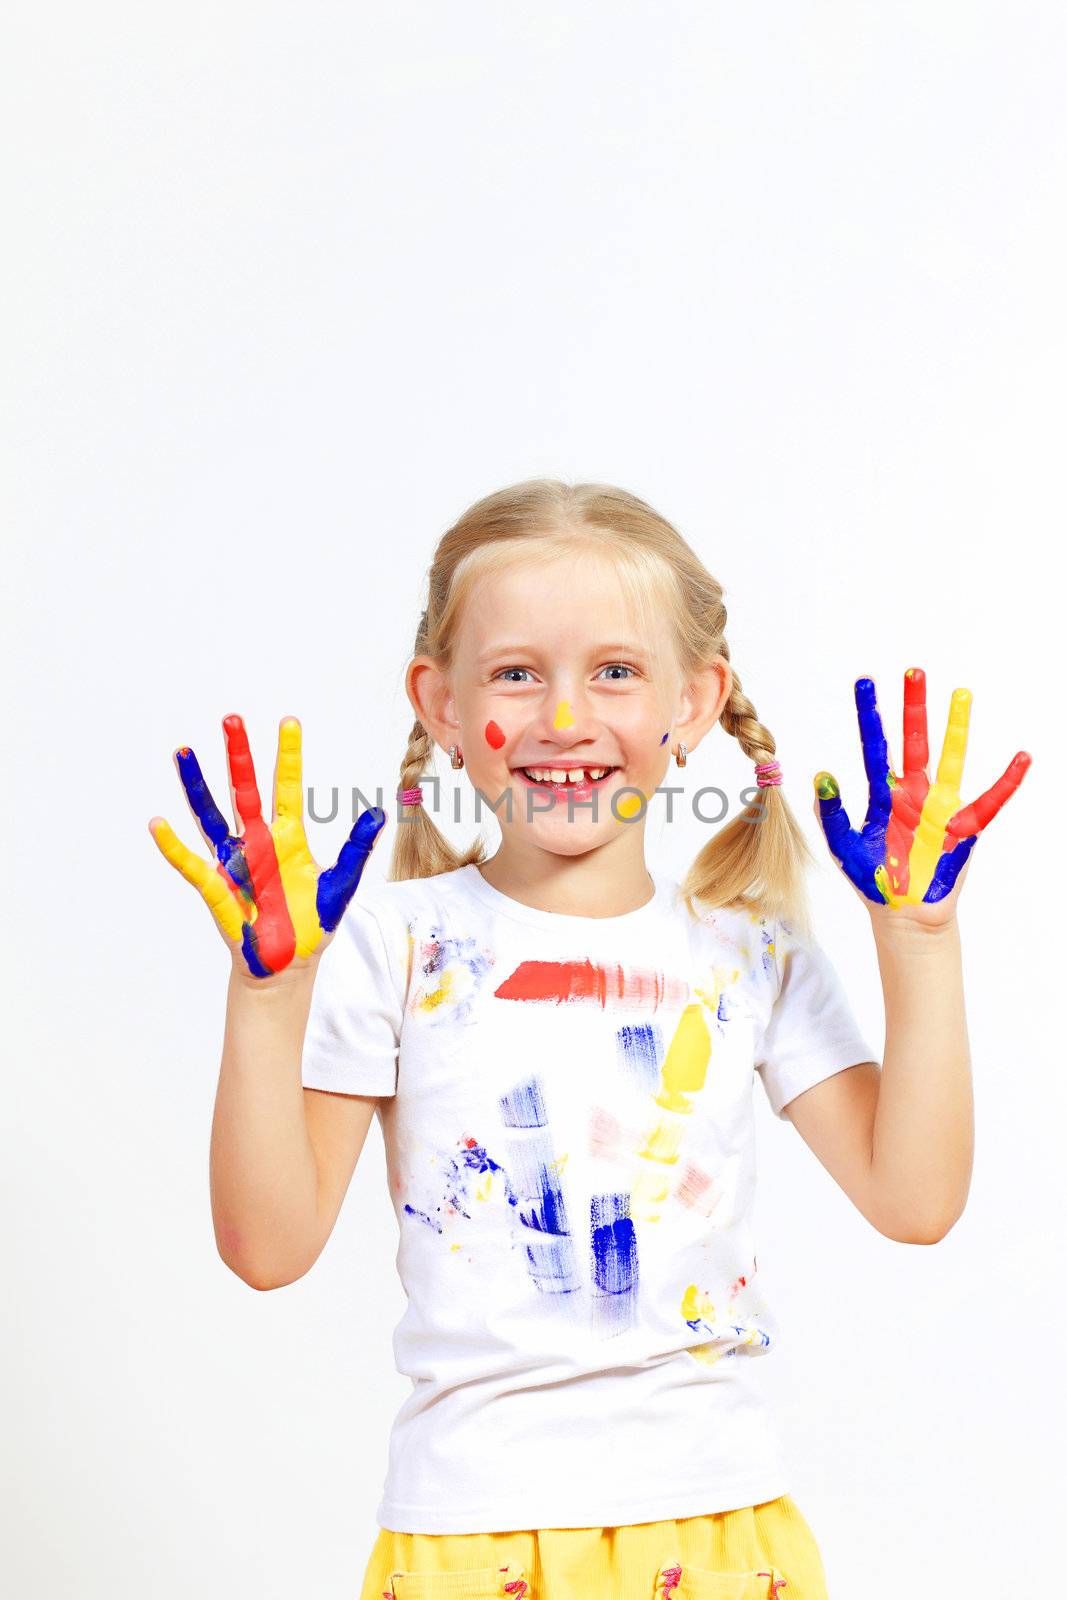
<point x="763" y="1552"/>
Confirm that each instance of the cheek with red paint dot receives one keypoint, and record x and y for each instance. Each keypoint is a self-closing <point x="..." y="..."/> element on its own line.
<point x="495" y="735"/>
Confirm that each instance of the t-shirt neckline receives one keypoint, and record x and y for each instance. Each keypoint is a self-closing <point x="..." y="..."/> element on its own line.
<point x="504" y="905"/>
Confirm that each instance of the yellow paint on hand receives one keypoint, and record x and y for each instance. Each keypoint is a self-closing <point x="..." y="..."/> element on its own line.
<point x="942" y="800"/>
<point x="221" y="900"/>
<point x="563" y="718"/>
<point x="891" y="898"/>
<point x="299" y="873"/>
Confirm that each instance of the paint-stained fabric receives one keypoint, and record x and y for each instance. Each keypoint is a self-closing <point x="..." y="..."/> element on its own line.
<point x="567" y="1109"/>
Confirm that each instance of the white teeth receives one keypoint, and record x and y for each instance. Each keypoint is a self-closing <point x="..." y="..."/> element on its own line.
<point x="561" y="775"/>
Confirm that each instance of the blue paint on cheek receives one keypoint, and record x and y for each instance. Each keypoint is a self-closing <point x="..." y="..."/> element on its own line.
<point x="663" y="741"/>
<point x="614" y="1244"/>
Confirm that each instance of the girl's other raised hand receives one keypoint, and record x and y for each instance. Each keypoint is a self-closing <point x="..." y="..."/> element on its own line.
<point x="916" y="837"/>
<point x="272" y="904"/>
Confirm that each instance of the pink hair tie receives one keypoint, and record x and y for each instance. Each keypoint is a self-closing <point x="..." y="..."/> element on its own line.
<point x="769" y="774"/>
<point x="411" y="797"/>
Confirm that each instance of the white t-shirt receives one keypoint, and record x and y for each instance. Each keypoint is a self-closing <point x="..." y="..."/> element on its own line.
<point x="568" y="1123"/>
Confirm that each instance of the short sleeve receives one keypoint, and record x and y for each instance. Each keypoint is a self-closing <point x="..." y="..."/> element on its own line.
<point x="811" y="1032"/>
<point x="352" y="1041"/>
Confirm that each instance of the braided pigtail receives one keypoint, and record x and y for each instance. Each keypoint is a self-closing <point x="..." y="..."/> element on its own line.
<point x="759" y="859"/>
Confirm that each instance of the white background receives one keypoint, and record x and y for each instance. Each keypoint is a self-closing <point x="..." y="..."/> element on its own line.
<point x="286" y="287"/>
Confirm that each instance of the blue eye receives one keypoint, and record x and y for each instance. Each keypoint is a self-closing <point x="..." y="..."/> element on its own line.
<point x="505" y="673"/>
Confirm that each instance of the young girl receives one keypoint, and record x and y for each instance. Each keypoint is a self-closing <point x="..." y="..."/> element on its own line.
<point x="560" y="1047"/>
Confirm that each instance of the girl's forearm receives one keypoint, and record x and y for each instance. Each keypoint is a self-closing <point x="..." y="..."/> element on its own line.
<point x="923" y="1145"/>
<point x="264" y="1179"/>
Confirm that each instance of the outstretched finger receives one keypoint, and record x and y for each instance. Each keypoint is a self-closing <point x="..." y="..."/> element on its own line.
<point x="212" y="823"/>
<point x="916" y="738"/>
<point x="242" y="771"/>
<point x="948" y="870"/>
<point x="288" y="772"/>
<point x="832" y="814"/>
<point x="875" y="752"/>
<point x="954" y="749"/>
<point x="339" y="883"/>
<point x="207" y="879"/>
<point x="980" y="813"/>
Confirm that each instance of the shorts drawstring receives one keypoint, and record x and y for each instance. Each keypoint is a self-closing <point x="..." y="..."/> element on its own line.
<point x="672" y="1577"/>
<point x="776" y="1584"/>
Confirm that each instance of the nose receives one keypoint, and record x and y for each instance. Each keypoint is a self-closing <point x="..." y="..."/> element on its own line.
<point x="565" y="718"/>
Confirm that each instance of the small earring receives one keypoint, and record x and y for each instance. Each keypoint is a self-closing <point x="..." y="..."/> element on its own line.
<point x="680" y="755"/>
<point x="455" y="755"/>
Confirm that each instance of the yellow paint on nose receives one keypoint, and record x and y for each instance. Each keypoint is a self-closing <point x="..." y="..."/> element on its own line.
<point x="563" y="717"/>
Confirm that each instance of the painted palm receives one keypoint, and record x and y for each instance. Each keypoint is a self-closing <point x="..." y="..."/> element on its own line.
<point x="265" y="890"/>
<point x="916" y="836"/>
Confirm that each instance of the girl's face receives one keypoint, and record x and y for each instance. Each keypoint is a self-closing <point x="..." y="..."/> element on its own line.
<point x="555" y="696"/>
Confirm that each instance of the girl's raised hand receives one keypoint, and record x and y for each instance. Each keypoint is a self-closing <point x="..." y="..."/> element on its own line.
<point x="916" y="837"/>
<point x="272" y="904"/>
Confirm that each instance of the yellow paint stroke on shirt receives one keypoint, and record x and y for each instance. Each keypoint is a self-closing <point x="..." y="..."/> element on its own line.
<point x="563" y="717"/>
<point x="683" y="1074"/>
<point x="685" y="1066"/>
<point x="697" y="1306"/>
<point x="435" y="998"/>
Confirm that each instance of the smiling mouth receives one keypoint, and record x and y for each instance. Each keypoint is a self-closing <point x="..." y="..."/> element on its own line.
<point x="565" y="779"/>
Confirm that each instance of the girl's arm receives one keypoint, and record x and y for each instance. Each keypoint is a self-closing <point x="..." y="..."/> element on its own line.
<point x="281" y="1155"/>
<point x="922" y="1145"/>
<point x="900" y="1141"/>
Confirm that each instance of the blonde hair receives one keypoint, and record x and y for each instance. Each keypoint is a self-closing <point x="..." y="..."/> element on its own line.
<point x="757" y="861"/>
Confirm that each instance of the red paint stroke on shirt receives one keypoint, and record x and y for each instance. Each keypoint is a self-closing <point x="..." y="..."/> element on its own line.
<point x="589" y="982"/>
